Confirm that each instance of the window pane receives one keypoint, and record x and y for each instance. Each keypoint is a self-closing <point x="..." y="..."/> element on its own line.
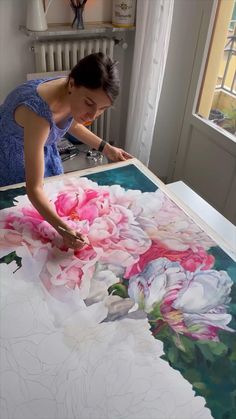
<point x="217" y="101"/>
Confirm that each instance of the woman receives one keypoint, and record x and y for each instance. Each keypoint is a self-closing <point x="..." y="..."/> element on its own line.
<point x="38" y="113"/>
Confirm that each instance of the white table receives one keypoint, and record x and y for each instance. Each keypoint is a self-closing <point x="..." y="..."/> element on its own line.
<point x="223" y="227"/>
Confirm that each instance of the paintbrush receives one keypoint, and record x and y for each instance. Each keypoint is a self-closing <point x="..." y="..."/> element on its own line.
<point x="72" y="235"/>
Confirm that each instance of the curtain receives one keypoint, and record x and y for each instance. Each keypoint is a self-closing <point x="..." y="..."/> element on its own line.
<point x="153" y="25"/>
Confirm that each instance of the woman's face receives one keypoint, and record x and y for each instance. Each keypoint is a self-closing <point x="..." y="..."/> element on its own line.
<point x="87" y="104"/>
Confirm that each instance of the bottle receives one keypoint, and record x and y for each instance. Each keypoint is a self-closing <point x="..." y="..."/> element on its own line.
<point x="123" y="13"/>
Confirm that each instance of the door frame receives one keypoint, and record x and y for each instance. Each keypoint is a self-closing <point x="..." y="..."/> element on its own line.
<point x="220" y="136"/>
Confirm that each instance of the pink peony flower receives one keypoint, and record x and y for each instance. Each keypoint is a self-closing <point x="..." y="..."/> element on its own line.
<point x="30" y="224"/>
<point x="10" y="238"/>
<point x="64" y="272"/>
<point x="193" y="304"/>
<point x="85" y="204"/>
<point x="169" y="224"/>
<point x="197" y="260"/>
<point x="190" y="260"/>
<point x="126" y="230"/>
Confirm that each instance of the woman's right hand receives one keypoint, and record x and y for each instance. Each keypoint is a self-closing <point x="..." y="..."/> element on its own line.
<point x="73" y="239"/>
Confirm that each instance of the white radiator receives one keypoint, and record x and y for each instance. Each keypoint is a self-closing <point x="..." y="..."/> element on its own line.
<point x="53" y="58"/>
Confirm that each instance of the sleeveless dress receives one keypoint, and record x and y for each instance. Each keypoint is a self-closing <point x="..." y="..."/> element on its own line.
<point x="12" y="135"/>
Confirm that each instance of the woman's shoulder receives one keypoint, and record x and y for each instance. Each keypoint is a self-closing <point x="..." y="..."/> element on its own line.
<point x="22" y="91"/>
<point x="27" y="89"/>
<point x="26" y="94"/>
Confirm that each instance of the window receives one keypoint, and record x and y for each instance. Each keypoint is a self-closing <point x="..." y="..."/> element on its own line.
<point x="217" y="101"/>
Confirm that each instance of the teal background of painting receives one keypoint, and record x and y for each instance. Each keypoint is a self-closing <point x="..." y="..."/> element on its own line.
<point x="129" y="177"/>
<point x="209" y="366"/>
<point x="7" y="197"/>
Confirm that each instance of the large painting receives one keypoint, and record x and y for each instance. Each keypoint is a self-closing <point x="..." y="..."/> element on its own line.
<point x="139" y="324"/>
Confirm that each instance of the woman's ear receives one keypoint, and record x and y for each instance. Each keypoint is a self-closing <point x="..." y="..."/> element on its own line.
<point x="70" y="86"/>
<point x="71" y="83"/>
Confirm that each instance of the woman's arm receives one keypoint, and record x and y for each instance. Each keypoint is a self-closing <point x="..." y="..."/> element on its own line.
<point x="36" y="131"/>
<point x="86" y="136"/>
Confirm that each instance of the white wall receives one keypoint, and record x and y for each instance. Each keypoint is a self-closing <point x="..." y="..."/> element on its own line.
<point x="17" y="59"/>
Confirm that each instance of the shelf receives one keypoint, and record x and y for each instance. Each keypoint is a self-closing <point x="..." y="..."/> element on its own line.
<point x="66" y="31"/>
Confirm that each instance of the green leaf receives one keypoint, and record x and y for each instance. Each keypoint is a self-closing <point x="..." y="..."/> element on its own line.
<point x="192" y="375"/>
<point x="155" y="314"/>
<point x="118" y="289"/>
<point x="178" y="341"/>
<point x="232" y="356"/>
<point x="211" y="349"/>
<point x="200" y="386"/>
<point x="172" y="354"/>
<point x="10" y="258"/>
<point x="185" y="344"/>
<point x="218" y="348"/>
<point x="163" y="331"/>
<point x="206" y="352"/>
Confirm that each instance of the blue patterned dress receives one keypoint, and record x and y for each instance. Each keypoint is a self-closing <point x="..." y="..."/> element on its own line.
<point x="12" y="168"/>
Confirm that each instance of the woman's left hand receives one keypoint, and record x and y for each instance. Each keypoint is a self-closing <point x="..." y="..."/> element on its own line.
<point x="115" y="153"/>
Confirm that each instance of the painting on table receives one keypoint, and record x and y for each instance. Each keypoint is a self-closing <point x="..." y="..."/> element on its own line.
<point x="138" y="324"/>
